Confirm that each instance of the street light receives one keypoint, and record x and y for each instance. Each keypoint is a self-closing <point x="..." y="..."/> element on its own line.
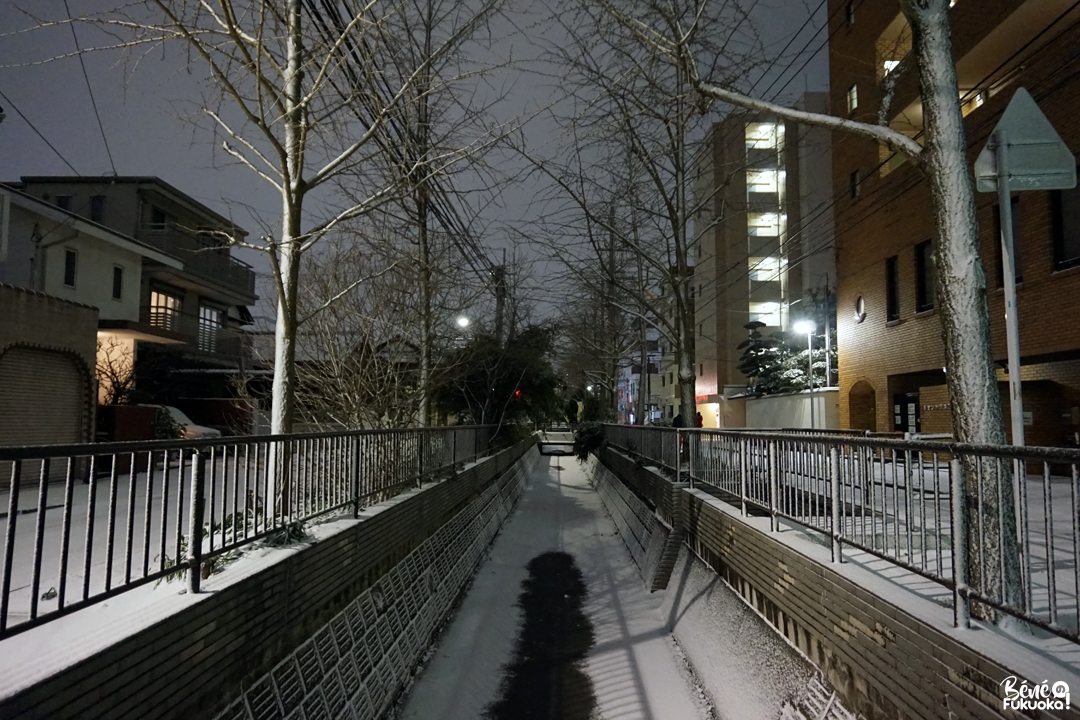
<point x="808" y="327"/>
<point x="462" y="322"/>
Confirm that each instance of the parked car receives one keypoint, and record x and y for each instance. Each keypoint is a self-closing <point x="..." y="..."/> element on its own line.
<point x="188" y="429"/>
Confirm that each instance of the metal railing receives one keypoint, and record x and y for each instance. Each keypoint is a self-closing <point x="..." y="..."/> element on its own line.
<point x="86" y="522"/>
<point x="203" y="256"/>
<point x="937" y="509"/>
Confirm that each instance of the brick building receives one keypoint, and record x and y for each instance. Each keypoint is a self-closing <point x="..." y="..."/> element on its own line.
<point x="892" y="374"/>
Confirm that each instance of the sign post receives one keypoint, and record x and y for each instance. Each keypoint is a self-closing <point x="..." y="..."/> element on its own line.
<point x="1024" y="153"/>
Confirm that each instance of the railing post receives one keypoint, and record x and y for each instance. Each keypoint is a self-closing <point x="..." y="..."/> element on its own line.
<point x="774" y="483"/>
<point x="961" y="608"/>
<point x="834" y="481"/>
<point x="453" y="448"/>
<point x="421" y="439"/>
<point x="744" y="467"/>
<point x="356" y="476"/>
<point x="196" y="522"/>
<point x="691" y="439"/>
<point x="678" y="454"/>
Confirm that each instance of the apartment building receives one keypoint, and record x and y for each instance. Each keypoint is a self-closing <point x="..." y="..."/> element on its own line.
<point x="765" y="238"/>
<point x="892" y="360"/>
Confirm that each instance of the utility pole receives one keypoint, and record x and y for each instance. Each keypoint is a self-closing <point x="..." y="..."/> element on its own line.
<point x="643" y="354"/>
<point x="828" y="331"/>
<point x="500" y="298"/>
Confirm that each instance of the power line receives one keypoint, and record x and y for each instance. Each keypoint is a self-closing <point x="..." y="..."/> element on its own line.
<point x="38" y="133"/>
<point x="86" y="77"/>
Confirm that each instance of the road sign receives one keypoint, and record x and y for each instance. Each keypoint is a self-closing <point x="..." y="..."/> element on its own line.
<point x="1024" y="153"/>
<point x="1038" y="159"/>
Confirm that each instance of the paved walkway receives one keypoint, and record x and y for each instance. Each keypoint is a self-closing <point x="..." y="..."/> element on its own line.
<point x="632" y="666"/>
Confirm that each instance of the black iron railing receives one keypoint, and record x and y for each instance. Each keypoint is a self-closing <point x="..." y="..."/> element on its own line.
<point x="86" y="522"/>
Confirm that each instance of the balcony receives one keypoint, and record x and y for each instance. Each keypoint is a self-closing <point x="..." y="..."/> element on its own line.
<point x="203" y="257"/>
<point x="202" y="337"/>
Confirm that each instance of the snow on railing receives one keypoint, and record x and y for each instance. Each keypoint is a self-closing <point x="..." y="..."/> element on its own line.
<point x="82" y="523"/>
<point x="997" y="525"/>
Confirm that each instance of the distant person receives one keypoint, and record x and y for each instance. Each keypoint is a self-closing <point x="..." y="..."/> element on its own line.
<point x="699" y="421"/>
<point x="678" y="421"/>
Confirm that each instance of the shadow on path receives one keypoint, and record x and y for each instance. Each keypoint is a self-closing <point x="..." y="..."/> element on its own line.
<point x="545" y="678"/>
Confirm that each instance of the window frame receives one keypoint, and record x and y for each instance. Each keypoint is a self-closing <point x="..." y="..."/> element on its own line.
<point x="892" y="288"/>
<point x="63" y="202"/>
<point x="924" y="277"/>
<point x="853" y="98"/>
<point x="71" y="267"/>
<point x="118" y="282"/>
<point x="854" y="184"/>
<point x="97" y="208"/>
<point x="1057" y="215"/>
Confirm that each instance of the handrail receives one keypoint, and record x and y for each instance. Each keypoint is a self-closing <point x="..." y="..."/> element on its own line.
<point x="125" y="514"/>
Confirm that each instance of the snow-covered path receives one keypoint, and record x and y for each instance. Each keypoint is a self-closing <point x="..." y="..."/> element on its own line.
<point x="634" y="670"/>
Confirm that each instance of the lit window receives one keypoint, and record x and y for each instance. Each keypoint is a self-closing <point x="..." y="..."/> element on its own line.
<point x="762" y="136"/>
<point x="972" y="103"/>
<point x="164" y="310"/>
<point x="764" y="269"/>
<point x="766" y="312"/>
<point x="853" y="97"/>
<point x="210" y="322"/>
<point x="890" y="65"/>
<point x="762" y="181"/>
<point x="764" y="224"/>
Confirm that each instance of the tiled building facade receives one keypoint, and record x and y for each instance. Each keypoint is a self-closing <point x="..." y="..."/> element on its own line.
<point x="892" y="366"/>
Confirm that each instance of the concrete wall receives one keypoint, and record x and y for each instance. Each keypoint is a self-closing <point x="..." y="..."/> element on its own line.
<point x="33" y="318"/>
<point x="334" y="628"/>
<point x="793" y="410"/>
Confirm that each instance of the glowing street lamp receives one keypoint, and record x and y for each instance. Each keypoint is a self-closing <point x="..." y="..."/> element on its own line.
<point x="808" y="327"/>
<point x="462" y="322"/>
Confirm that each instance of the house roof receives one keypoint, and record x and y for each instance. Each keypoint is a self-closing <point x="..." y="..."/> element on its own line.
<point x="157" y="183"/>
<point x="88" y="227"/>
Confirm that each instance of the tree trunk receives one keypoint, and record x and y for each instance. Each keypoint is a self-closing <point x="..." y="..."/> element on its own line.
<point x="425" y="307"/>
<point x="994" y="566"/>
<point x="284" y="387"/>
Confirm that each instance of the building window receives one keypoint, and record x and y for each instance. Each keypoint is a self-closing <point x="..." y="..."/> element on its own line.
<point x="210" y="322"/>
<point x="663" y="381"/>
<point x="762" y="181"/>
<point x="158" y="219"/>
<point x="853" y="97"/>
<point x="892" y="289"/>
<point x="763" y="136"/>
<point x="853" y="184"/>
<point x="63" y="202"/>
<point x="164" y="310"/>
<point x="1065" y="205"/>
<point x="924" y="277"/>
<point x="764" y="224"/>
<point x="849" y="12"/>
<point x="117" y="282"/>
<point x="1017" y="254"/>
<point x="97" y="208"/>
<point x="701" y="369"/>
<point x="71" y="262"/>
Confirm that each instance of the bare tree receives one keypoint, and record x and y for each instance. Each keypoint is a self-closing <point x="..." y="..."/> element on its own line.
<point x="115" y="371"/>
<point x="300" y="92"/>
<point x="961" y="279"/>
<point x="621" y="207"/>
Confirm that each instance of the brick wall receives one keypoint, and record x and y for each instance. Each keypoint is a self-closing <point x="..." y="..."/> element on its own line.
<point x="338" y="624"/>
<point x="883" y="662"/>
<point x="894" y="212"/>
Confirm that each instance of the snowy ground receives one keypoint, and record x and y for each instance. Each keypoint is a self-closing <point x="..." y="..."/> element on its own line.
<point x="634" y="666"/>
